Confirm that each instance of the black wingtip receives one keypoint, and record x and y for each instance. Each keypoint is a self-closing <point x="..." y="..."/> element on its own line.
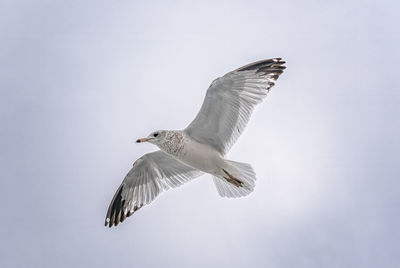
<point x="274" y="65"/>
<point x="270" y="68"/>
<point x="118" y="211"/>
<point x="115" y="209"/>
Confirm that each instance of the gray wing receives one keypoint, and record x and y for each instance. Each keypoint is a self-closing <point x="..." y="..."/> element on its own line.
<point x="150" y="175"/>
<point x="230" y="101"/>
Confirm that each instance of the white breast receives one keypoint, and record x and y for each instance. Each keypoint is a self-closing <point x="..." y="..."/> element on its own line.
<point x="200" y="156"/>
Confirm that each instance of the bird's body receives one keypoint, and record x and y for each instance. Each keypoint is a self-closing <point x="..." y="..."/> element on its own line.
<point x="192" y="153"/>
<point x="202" y="146"/>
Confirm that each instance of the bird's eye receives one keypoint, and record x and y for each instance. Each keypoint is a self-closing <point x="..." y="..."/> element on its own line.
<point x="155" y="134"/>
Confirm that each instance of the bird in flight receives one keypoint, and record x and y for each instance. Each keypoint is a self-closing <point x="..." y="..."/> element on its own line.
<point x="201" y="147"/>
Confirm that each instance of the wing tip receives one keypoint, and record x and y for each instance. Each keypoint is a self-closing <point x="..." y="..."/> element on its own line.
<point x="118" y="212"/>
<point x="269" y="66"/>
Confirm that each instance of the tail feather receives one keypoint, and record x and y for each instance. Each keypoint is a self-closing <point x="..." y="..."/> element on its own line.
<point x="241" y="181"/>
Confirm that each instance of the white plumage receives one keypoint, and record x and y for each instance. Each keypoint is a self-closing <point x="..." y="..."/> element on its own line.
<point x="202" y="146"/>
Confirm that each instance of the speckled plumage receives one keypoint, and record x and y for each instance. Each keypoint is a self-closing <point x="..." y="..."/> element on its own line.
<point x="173" y="143"/>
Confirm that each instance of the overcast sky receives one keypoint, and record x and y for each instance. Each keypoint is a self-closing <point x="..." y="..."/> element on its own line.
<point x="80" y="81"/>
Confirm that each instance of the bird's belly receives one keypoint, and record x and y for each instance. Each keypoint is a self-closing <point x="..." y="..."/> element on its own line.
<point x="201" y="157"/>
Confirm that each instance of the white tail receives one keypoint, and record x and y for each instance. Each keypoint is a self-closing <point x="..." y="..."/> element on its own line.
<point x="242" y="172"/>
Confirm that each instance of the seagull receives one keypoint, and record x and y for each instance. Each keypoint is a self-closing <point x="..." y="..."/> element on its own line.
<point x="202" y="146"/>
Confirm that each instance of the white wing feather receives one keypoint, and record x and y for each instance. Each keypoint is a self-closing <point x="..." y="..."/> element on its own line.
<point x="150" y="175"/>
<point x="230" y="101"/>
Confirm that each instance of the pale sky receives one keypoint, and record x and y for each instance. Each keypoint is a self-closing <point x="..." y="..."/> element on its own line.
<point x="80" y="81"/>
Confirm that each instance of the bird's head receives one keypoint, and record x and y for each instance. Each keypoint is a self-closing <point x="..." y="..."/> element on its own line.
<point x="155" y="137"/>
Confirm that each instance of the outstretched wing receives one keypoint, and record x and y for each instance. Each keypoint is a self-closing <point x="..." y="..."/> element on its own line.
<point x="230" y="101"/>
<point x="150" y="175"/>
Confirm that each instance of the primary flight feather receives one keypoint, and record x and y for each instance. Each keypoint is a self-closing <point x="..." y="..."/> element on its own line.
<point x="202" y="146"/>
